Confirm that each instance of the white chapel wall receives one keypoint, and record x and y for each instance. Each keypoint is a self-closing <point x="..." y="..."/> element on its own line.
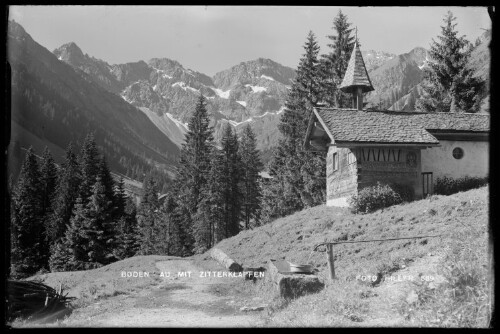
<point x="440" y="160"/>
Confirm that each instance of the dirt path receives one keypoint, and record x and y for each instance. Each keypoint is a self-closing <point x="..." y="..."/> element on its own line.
<point x="174" y="302"/>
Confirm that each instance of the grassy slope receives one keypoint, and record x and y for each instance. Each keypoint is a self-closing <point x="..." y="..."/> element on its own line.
<point x="293" y="237"/>
<point x="340" y="304"/>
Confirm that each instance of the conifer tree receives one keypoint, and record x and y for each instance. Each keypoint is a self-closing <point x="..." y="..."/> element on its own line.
<point x="90" y="236"/>
<point x="171" y="233"/>
<point x="334" y="64"/>
<point x="74" y="245"/>
<point x="233" y="165"/>
<point x="193" y="171"/>
<point x="48" y="179"/>
<point x="120" y="198"/>
<point x="127" y="231"/>
<point x="27" y="220"/>
<point x="107" y="181"/>
<point x="449" y="82"/>
<point x="291" y="165"/>
<point x="147" y="216"/>
<point x="89" y="166"/>
<point x="251" y="166"/>
<point x="209" y="225"/>
<point x="66" y="193"/>
<point x="218" y="214"/>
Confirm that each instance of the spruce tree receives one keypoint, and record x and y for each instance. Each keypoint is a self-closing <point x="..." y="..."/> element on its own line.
<point x="193" y="171"/>
<point x="209" y="225"/>
<point x="89" y="166"/>
<point x="291" y="166"/>
<point x="147" y="216"/>
<point x="27" y="220"/>
<point x="48" y="171"/>
<point x="127" y="231"/>
<point x="449" y="82"/>
<point x="251" y="166"/>
<point x="334" y="64"/>
<point x="90" y="236"/>
<point x="66" y="193"/>
<point x="120" y="198"/>
<point x="233" y="166"/>
<point x="74" y="246"/>
<point x="171" y="234"/>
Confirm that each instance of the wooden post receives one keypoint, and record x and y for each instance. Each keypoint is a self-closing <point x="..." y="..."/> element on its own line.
<point x="331" y="264"/>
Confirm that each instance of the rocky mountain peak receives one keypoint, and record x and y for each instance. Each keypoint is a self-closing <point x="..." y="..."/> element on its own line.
<point x="255" y="71"/>
<point x="70" y="53"/>
<point x="16" y="30"/>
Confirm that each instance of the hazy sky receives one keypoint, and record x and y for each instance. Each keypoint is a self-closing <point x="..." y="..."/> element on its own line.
<point x="209" y="39"/>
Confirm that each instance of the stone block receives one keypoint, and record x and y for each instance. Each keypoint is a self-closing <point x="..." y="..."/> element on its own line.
<point x="292" y="285"/>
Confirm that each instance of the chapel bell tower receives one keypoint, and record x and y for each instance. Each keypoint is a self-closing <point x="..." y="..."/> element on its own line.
<point x="356" y="80"/>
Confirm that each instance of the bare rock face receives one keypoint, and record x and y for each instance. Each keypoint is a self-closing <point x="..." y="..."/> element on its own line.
<point x="252" y="92"/>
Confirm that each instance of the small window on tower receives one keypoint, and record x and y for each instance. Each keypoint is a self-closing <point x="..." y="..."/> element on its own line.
<point x="458" y="153"/>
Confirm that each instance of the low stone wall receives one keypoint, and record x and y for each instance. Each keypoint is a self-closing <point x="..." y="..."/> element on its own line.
<point x="292" y="286"/>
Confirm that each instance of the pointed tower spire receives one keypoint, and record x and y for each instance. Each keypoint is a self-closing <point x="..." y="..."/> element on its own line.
<point x="356" y="80"/>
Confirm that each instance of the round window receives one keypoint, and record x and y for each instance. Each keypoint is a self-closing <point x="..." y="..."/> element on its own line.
<point x="458" y="153"/>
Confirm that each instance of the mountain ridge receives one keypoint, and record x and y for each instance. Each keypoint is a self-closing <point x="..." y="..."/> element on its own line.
<point x="58" y="104"/>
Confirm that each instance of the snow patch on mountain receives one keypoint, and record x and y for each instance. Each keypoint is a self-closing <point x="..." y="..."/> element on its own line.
<point x="123" y="96"/>
<point x="184" y="86"/>
<point x="251" y="119"/>
<point x="243" y="103"/>
<point x="162" y="72"/>
<point x="267" y="77"/>
<point x="221" y="93"/>
<point x="256" y="89"/>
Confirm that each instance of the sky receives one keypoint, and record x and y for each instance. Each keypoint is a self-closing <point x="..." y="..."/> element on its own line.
<point x="210" y="39"/>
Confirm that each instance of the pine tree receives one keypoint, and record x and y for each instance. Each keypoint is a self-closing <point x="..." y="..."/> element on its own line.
<point x="127" y="231"/>
<point x="60" y="257"/>
<point x="90" y="235"/>
<point x="209" y="225"/>
<point x="233" y="164"/>
<point x="193" y="171"/>
<point x="74" y="245"/>
<point x="170" y="232"/>
<point x="291" y="165"/>
<point x="449" y="82"/>
<point x="147" y="216"/>
<point x="334" y="64"/>
<point x="120" y="198"/>
<point x="27" y="220"/>
<point x="251" y="166"/>
<point x="48" y="171"/>
<point x="89" y="166"/>
<point x="66" y="192"/>
<point x="218" y="214"/>
<point x="101" y="228"/>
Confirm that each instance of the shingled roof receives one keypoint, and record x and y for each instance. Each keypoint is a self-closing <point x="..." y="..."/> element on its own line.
<point x="354" y="126"/>
<point x="356" y="74"/>
<point x="452" y="121"/>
